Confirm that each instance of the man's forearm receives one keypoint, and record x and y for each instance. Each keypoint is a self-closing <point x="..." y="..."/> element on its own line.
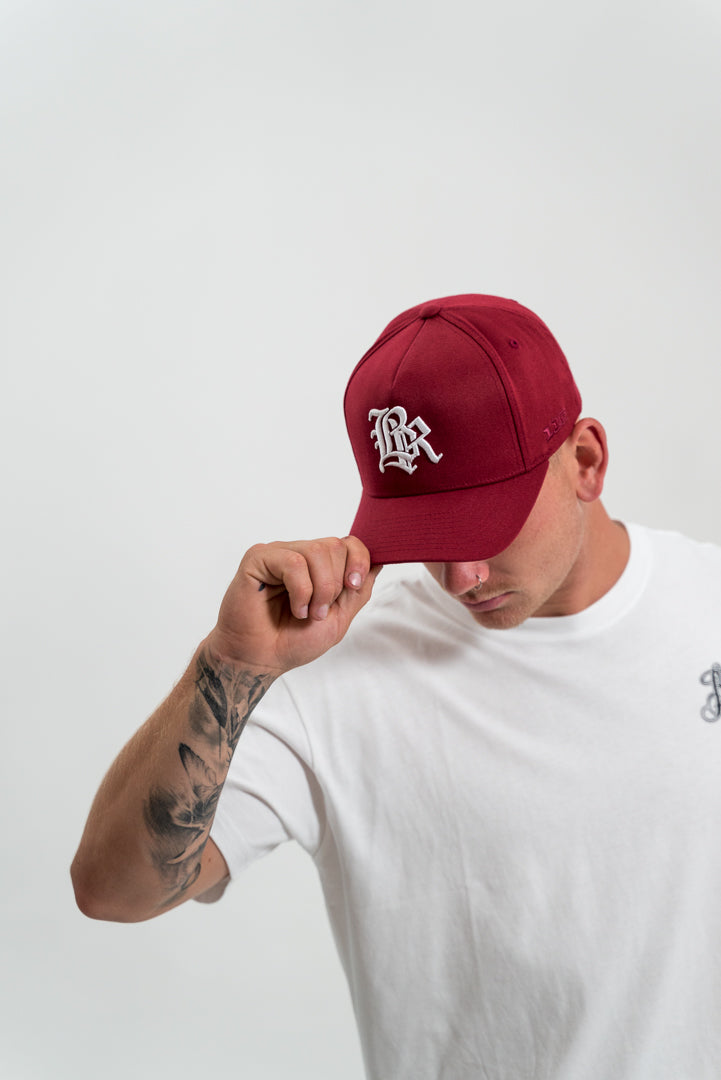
<point x="142" y="848"/>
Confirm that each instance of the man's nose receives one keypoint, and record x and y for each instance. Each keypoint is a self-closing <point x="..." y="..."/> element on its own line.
<point x="460" y="577"/>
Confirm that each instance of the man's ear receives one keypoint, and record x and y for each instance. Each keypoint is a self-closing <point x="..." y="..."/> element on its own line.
<point x="589" y="447"/>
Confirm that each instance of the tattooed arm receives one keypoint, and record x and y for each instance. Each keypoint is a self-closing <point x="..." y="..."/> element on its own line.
<point x="178" y="819"/>
<point x="145" y="847"/>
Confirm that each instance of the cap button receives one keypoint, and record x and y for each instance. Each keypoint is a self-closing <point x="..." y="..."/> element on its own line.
<point x="429" y="310"/>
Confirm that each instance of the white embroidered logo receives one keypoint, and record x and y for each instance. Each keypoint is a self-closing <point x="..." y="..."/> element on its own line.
<point x="398" y="442"/>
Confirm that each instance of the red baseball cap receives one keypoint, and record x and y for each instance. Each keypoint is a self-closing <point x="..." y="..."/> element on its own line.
<point x="453" y="414"/>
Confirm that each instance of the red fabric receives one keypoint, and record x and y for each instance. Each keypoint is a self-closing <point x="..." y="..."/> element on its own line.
<point x="494" y="398"/>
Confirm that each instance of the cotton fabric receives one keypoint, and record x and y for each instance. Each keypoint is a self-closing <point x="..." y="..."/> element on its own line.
<point x="517" y="831"/>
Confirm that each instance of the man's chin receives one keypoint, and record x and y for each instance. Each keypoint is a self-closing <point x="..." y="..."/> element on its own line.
<point x="511" y="614"/>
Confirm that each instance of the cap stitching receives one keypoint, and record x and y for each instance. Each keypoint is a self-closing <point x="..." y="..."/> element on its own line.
<point x="403" y="359"/>
<point x="367" y="355"/>
<point x="492" y="354"/>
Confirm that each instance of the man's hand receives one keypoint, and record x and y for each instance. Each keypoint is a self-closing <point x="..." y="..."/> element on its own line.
<point x="144" y="848"/>
<point x="291" y="602"/>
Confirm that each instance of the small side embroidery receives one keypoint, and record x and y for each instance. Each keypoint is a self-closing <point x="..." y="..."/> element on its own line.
<point x="711" y="711"/>
<point x="556" y="424"/>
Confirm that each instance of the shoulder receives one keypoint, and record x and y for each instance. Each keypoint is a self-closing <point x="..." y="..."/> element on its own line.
<point x="669" y="545"/>
<point x="686" y="572"/>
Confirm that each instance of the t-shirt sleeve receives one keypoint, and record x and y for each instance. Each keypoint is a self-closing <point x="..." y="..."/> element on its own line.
<point x="271" y="794"/>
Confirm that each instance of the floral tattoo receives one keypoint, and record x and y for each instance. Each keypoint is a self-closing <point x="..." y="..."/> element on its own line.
<point x="179" y="819"/>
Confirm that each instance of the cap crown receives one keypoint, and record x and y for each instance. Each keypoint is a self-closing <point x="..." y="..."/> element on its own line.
<point x="457" y="393"/>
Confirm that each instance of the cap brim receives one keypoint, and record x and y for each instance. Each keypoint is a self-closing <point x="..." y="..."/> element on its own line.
<point x="448" y="526"/>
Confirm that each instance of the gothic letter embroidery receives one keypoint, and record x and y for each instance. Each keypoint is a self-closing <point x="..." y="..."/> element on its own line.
<point x="712" y="709"/>
<point x="398" y="442"/>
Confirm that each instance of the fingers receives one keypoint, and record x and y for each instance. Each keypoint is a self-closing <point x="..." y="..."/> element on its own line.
<point x="287" y="569"/>
<point x="358" y="562"/>
<point x="326" y="561"/>
<point x="314" y="573"/>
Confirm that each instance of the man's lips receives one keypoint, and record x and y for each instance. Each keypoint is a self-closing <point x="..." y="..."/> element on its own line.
<point x="488" y="604"/>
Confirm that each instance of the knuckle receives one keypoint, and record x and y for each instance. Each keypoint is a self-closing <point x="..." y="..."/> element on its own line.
<point x="321" y="549"/>
<point x="295" y="562"/>
<point x="255" y="551"/>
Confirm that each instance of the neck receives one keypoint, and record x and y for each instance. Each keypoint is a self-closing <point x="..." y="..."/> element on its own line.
<point x="602" y="558"/>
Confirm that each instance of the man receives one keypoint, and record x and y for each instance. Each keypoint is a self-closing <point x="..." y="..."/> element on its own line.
<point x="509" y="784"/>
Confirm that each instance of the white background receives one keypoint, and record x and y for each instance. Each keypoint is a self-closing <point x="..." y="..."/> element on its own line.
<point x="208" y="211"/>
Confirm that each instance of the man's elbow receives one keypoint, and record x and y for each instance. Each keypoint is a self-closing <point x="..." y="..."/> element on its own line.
<point x="96" y="900"/>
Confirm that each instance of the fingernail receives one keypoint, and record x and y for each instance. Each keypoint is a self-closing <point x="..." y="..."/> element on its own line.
<point x="355" y="580"/>
<point x="303" y="613"/>
<point x="322" y="612"/>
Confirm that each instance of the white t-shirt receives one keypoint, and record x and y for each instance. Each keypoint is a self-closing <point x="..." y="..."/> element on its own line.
<point x="518" y="832"/>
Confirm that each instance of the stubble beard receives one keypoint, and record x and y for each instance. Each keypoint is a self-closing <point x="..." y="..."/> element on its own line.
<point x="512" y="614"/>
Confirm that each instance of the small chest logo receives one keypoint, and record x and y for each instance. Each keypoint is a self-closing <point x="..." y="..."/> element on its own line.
<point x="711" y="711"/>
<point x="398" y="442"/>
